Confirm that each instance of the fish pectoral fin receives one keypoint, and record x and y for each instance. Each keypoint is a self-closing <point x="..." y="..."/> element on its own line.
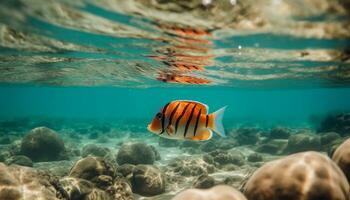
<point x="206" y="134"/>
<point x="170" y="129"/>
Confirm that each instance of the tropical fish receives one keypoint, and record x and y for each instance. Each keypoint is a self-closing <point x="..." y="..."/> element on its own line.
<point x="187" y="120"/>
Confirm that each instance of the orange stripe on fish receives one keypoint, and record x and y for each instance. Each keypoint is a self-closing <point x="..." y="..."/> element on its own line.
<point x="183" y="119"/>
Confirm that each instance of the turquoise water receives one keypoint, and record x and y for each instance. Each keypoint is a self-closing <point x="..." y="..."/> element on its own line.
<point x="261" y="107"/>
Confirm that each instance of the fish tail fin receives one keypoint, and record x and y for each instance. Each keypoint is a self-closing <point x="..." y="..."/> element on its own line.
<point x="217" y="126"/>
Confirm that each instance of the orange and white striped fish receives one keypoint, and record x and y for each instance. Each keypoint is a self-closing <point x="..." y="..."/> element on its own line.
<point x="187" y="120"/>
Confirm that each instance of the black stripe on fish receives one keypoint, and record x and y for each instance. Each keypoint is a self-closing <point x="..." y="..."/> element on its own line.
<point x="173" y="112"/>
<point x="189" y="120"/>
<point x="163" y="117"/>
<point x="182" y="114"/>
<point x="197" y="120"/>
<point x="206" y="121"/>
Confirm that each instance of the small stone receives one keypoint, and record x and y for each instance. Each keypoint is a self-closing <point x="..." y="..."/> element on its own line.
<point x="204" y="182"/>
<point x="120" y="190"/>
<point x="303" y="142"/>
<point x="255" y="157"/>
<point x="20" y="160"/>
<point x="148" y="180"/>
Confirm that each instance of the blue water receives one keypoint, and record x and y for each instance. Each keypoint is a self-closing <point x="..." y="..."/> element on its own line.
<point x="260" y="107"/>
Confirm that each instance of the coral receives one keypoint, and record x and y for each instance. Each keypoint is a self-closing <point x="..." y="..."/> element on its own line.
<point x="221" y="192"/>
<point x="341" y="156"/>
<point x="148" y="180"/>
<point x="136" y="153"/>
<point x="308" y="175"/>
<point x="42" y="144"/>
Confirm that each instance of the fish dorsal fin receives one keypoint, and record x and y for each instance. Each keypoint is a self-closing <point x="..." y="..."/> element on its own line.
<point x="202" y="106"/>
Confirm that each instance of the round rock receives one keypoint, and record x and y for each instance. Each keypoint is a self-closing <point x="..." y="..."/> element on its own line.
<point x="147" y="180"/>
<point x="307" y="175"/>
<point x="136" y="153"/>
<point x="220" y="192"/>
<point x="18" y="183"/>
<point x="42" y="144"/>
<point x="341" y="156"/>
<point x="91" y="167"/>
<point x="303" y="142"/>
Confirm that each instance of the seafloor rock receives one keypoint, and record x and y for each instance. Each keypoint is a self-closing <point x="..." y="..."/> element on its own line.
<point x="94" y="150"/>
<point x="329" y="137"/>
<point x="222" y="157"/>
<point x="245" y="136"/>
<point x="55" y="168"/>
<point x="190" y="166"/>
<point x="17" y="183"/>
<point x="220" y="192"/>
<point x="334" y="146"/>
<point x="255" y="157"/>
<point x="42" y="144"/>
<point x="4" y="155"/>
<point x="271" y="148"/>
<point x="126" y="170"/>
<point x="341" y="156"/>
<point x="303" y="142"/>
<point x="20" y="160"/>
<point x="339" y="123"/>
<point x="136" y="153"/>
<point x="97" y="194"/>
<point x="103" y="181"/>
<point x="279" y="133"/>
<point x="148" y="180"/>
<point x="307" y="175"/>
<point x="76" y="188"/>
<point x="90" y="168"/>
<point x="204" y="182"/>
<point x="120" y="190"/>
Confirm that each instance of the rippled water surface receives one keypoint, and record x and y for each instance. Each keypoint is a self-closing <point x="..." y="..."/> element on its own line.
<point x="147" y="43"/>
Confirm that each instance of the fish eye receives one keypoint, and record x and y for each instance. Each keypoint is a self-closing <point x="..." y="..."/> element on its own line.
<point x="159" y="115"/>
